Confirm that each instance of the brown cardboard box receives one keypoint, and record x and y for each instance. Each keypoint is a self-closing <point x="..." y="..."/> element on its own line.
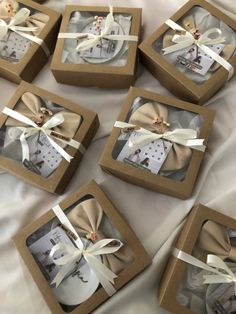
<point x="99" y="75"/>
<point x="171" y="77"/>
<point x="180" y="189"/>
<point x="56" y="182"/>
<point x="141" y="259"/>
<point x="175" y="268"/>
<point x="35" y="58"/>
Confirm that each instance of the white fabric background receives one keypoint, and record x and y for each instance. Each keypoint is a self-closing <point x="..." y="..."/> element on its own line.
<point x="155" y="218"/>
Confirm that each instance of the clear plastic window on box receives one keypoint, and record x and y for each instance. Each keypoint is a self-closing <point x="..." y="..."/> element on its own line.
<point x="44" y="158"/>
<point x="107" y="52"/>
<point x="192" y="61"/>
<point x="13" y="47"/>
<point x="210" y="298"/>
<point x="160" y="157"/>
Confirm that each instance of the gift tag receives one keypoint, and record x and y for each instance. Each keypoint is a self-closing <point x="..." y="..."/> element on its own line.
<point x="77" y="286"/>
<point x="196" y="60"/>
<point x="43" y="155"/>
<point x="13" y="47"/>
<point x="149" y="157"/>
<point x="105" y="49"/>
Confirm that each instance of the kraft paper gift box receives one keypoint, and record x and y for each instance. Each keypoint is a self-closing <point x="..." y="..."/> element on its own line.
<point x="205" y="232"/>
<point x="140" y="153"/>
<point x="45" y="148"/>
<point x="93" y="217"/>
<point x="24" y="53"/>
<point x="190" y="73"/>
<point x="108" y="63"/>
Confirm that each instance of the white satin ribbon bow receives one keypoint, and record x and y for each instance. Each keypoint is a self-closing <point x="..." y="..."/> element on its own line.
<point x="221" y="272"/>
<point x="185" y="137"/>
<point x="187" y="39"/>
<point x="46" y="129"/>
<point x="20" y="17"/>
<point x="72" y="254"/>
<point x="94" y="39"/>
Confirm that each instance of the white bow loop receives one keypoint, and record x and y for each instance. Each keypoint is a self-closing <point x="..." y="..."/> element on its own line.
<point x="20" y="17"/>
<point x="185" y="137"/>
<point x="91" y="39"/>
<point x="46" y="129"/>
<point x="221" y="273"/>
<point x="212" y="36"/>
<point x="72" y="254"/>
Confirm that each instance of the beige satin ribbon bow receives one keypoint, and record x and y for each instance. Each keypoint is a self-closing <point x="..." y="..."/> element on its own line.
<point x="71" y="254"/>
<point x="220" y="272"/>
<point x="59" y="128"/>
<point x="151" y="122"/>
<point x="14" y="25"/>
<point x="86" y="219"/>
<point x="214" y="239"/>
<point x="184" y="39"/>
<point x="91" y="40"/>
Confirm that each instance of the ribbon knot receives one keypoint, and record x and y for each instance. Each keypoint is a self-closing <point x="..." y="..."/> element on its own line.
<point x="47" y="129"/>
<point x="221" y="273"/>
<point x="91" y="39"/>
<point x="186" y="39"/>
<point x="20" y="17"/>
<point x="185" y="137"/>
<point x="70" y="254"/>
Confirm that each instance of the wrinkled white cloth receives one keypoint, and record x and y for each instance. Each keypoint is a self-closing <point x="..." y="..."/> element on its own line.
<point x="156" y="218"/>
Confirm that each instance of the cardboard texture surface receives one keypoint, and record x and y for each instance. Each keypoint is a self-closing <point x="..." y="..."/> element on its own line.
<point x="171" y="77"/>
<point x="141" y="259"/>
<point x="57" y="182"/>
<point x="179" y="189"/>
<point x="99" y="75"/>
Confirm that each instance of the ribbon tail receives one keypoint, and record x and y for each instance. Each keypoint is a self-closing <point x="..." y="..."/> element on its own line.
<point x="25" y="29"/>
<point x="177" y="47"/>
<point x="187" y="258"/>
<point x="87" y="44"/>
<point x="105" y="275"/>
<point x="61" y="151"/>
<point x="25" y="147"/>
<point x="72" y="35"/>
<point x="143" y="140"/>
<point x="63" y="272"/>
<point x="101" y="247"/>
<point x="34" y="39"/>
<point x="194" y="143"/>
<point x="225" y="64"/>
<point x="213" y="279"/>
<point x="70" y="142"/>
<point x="122" y="37"/>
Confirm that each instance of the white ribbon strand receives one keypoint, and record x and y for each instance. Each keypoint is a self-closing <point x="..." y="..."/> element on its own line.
<point x="186" y="39"/>
<point x="91" y="39"/>
<point x="185" y="137"/>
<point x="221" y="272"/>
<point x="72" y="254"/>
<point x="20" y="17"/>
<point x="46" y="129"/>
